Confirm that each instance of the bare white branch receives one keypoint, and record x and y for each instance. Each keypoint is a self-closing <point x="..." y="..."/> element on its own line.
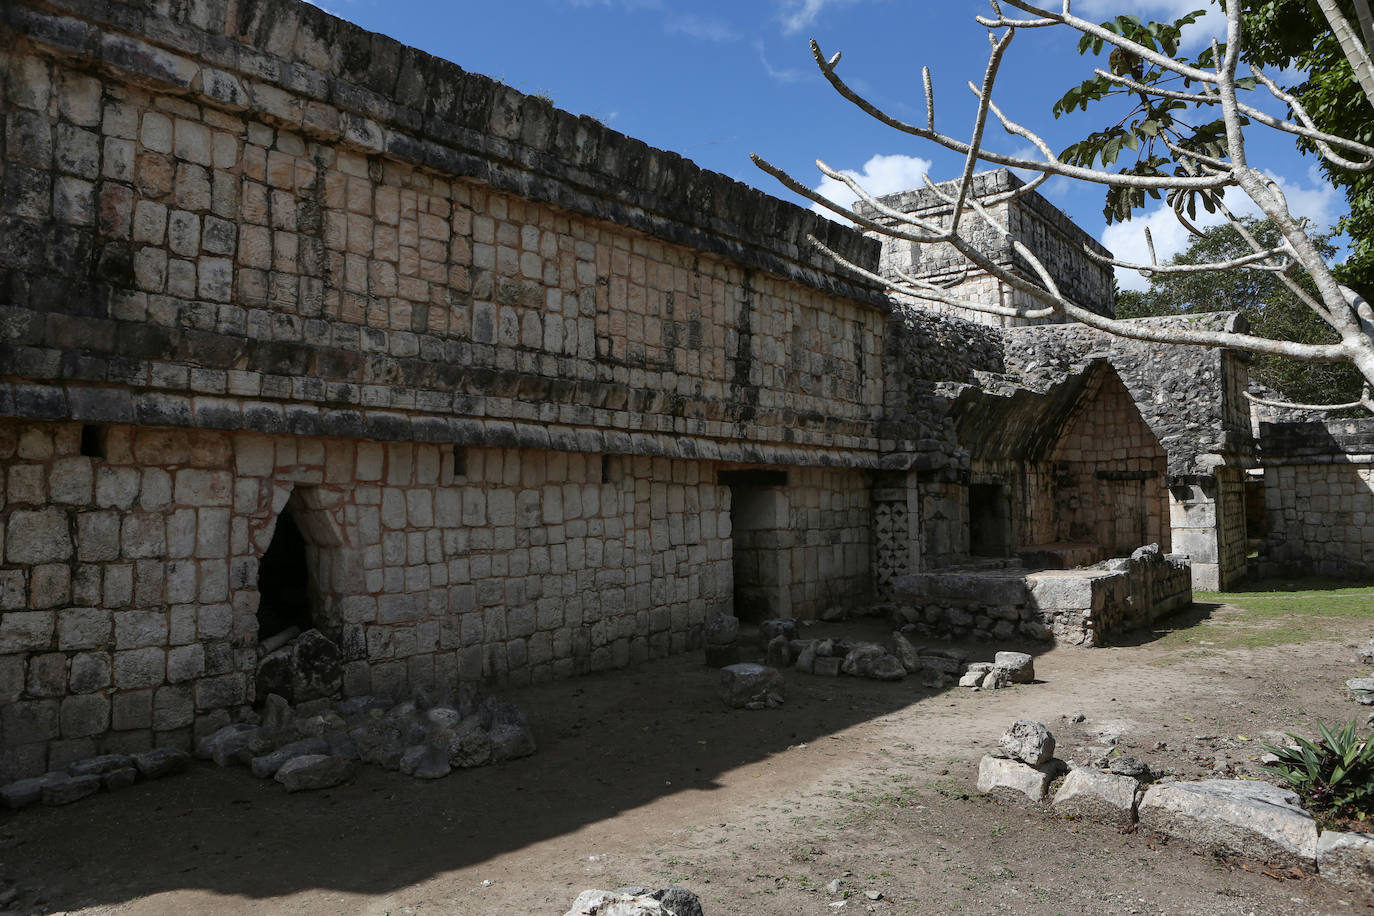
<point x="1031" y="283"/>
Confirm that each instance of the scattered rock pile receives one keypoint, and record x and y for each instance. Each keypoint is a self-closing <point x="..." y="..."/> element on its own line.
<point x="892" y="660"/>
<point x="87" y="777"/>
<point x="314" y="745"/>
<point x="637" y="901"/>
<point x="1247" y="817"/>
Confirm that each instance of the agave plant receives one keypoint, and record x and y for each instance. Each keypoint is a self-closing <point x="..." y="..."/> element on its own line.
<point x="1333" y="776"/>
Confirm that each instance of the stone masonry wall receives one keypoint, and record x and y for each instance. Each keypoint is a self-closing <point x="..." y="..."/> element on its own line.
<point x="1030" y="219"/>
<point x="128" y="581"/>
<point x="312" y="229"/>
<point x="1319" y="496"/>
<point x="1108" y="471"/>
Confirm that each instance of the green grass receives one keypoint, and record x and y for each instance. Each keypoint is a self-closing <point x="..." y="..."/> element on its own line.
<point x="1272" y="613"/>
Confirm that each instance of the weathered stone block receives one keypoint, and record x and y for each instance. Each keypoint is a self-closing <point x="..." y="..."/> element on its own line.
<point x="139" y="668"/>
<point x="172" y="707"/>
<point x="83" y="628"/>
<point x="139" y="629"/>
<point x="37" y="536"/>
<point x="84" y="716"/>
<point x="1253" y="819"/>
<point x="90" y="671"/>
<point x="132" y="709"/>
<point x="314" y="771"/>
<point x="1004" y="776"/>
<point x="1097" y="796"/>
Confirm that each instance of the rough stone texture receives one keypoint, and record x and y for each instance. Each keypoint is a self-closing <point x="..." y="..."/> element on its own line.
<point x="1347" y="859"/>
<point x="1097" y="796"/>
<point x="267" y="765"/>
<point x="1019" y="666"/>
<point x="721" y="630"/>
<point x="494" y="361"/>
<point x="308" y="667"/>
<point x="751" y="686"/>
<point x="161" y="761"/>
<point x="1253" y="819"/>
<point x="65" y="791"/>
<point x="672" y="901"/>
<point x="24" y="792"/>
<point x="1004" y="777"/>
<point x="313" y="771"/>
<point x="1318" y="497"/>
<point x="1029" y="742"/>
<point x="1035" y="222"/>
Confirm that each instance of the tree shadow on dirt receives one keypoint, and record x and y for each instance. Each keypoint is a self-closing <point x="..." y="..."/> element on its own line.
<point x="608" y="743"/>
<point x="1198" y="612"/>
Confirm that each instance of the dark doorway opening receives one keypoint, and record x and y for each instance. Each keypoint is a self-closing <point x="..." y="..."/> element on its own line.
<point x="284" y="580"/>
<point x="988" y="528"/>
<point x="762" y="564"/>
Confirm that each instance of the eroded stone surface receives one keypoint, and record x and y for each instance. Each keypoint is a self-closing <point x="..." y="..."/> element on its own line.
<point x="1005" y="776"/>
<point x="1097" y="796"/>
<point x="1253" y="819"/>
<point x="750" y="686"/>
<point x="1029" y="742"/>
<point x="1347" y="859"/>
<point x="313" y="771"/>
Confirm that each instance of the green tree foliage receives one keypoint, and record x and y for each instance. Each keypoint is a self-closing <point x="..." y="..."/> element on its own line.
<point x="1272" y="310"/>
<point x="1292" y="35"/>
<point x="1279" y="35"/>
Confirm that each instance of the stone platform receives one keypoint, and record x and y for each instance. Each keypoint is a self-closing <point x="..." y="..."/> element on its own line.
<point x="1085" y="606"/>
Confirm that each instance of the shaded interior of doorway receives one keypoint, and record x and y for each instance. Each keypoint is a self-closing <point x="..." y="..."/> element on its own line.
<point x="284" y="580"/>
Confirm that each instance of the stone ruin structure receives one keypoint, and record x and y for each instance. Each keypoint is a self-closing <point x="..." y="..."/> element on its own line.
<point x="303" y="328"/>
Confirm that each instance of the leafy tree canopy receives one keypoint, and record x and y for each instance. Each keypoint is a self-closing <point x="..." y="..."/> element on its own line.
<point x="1279" y="35"/>
<point x="1272" y="310"/>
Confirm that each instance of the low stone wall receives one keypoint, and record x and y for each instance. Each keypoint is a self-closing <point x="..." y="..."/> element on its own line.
<point x="1080" y="607"/>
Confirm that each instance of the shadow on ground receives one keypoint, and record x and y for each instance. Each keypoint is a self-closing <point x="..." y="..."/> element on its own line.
<point x="1198" y="612"/>
<point x="608" y="743"/>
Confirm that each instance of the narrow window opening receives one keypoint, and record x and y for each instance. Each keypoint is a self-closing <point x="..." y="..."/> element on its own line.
<point x="284" y="581"/>
<point x="460" y="461"/>
<point x="605" y="468"/>
<point x="92" y="441"/>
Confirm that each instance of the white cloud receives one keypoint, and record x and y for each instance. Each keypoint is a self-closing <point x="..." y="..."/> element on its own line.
<point x="801" y="14"/>
<point x="880" y="175"/>
<point x="1194" y="36"/>
<point x="1320" y="204"/>
<point x="705" y="28"/>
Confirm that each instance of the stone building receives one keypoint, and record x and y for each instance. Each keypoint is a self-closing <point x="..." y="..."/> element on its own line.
<point x="1315" y="491"/>
<point x="1192" y="398"/>
<point x="303" y="327"/>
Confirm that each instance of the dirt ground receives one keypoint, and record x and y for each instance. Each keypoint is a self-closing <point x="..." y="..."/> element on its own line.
<point x="643" y="778"/>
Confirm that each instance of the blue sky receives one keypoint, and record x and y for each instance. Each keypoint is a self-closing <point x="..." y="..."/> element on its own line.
<point x="715" y="81"/>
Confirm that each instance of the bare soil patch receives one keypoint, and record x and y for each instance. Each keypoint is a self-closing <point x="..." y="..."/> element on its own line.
<point x="643" y="778"/>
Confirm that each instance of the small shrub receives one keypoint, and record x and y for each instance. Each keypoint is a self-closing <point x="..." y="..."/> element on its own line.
<point x="1333" y="776"/>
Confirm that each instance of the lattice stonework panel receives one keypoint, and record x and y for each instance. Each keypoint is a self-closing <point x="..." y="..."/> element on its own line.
<point x="891" y="552"/>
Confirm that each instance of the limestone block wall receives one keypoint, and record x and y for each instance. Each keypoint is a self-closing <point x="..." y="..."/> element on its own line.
<point x="1319" y="496"/>
<point x="312" y="229"/>
<point x="804" y="546"/>
<point x="1108" y="470"/>
<point x="1032" y="220"/>
<point x="1080" y="607"/>
<point x="1208" y="521"/>
<point x="128" y="588"/>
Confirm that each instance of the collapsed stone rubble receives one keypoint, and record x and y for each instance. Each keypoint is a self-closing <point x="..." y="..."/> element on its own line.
<point x="1245" y="817"/>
